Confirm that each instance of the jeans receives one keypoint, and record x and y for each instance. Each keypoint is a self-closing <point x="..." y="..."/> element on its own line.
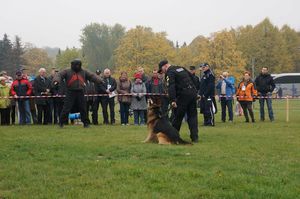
<point x="226" y="103"/>
<point x="269" y="105"/>
<point x="28" y="112"/>
<point x="139" y="117"/>
<point x="24" y="111"/>
<point x="124" y="112"/>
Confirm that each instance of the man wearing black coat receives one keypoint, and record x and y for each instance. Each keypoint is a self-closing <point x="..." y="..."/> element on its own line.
<point x="110" y="85"/>
<point x="207" y="94"/>
<point x="265" y="86"/>
<point x="41" y="88"/>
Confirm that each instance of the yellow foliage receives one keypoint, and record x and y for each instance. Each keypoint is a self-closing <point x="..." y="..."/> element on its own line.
<point x="142" y="47"/>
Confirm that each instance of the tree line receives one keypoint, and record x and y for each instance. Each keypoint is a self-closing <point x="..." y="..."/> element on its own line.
<point x="235" y="50"/>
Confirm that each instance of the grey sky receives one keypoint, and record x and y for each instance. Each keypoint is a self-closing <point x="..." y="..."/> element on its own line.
<point x="58" y="23"/>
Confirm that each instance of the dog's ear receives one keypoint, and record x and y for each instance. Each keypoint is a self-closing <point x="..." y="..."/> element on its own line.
<point x="150" y="102"/>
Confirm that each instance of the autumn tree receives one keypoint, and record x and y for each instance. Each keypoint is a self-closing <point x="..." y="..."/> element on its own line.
<point x="263" y="45"/>
<point x="184" y="56"/>
<point x="292" y="40"/>
<point x="224" y="54"/>
<point x="200" y="49"/>
<point x="143" y="47"/>
<point x="36" y="58"/>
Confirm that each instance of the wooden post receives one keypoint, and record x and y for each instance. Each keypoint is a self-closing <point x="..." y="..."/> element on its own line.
<point x="287" y="109"/>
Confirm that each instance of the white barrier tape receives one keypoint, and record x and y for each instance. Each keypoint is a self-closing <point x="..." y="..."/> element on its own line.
<point x="258" y="97"/>
<point x="87" y="95"/>
<point x="147" y="94"/>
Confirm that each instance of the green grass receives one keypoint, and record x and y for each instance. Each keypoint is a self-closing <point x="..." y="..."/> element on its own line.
<point x="238" y="160"/>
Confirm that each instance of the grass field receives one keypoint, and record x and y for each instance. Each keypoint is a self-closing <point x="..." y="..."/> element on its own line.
<point x="237" y="160"/>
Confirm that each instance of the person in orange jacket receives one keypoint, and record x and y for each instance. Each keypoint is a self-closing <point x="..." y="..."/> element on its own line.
<point x="246" y="94"/>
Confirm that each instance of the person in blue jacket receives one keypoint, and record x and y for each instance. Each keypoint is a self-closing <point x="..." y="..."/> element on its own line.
<point x="226" y="90"/>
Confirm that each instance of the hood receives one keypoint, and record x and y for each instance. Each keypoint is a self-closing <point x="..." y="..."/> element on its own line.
<point x="76" y="65"/>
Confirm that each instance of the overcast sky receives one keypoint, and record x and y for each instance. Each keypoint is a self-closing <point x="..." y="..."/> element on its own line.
<point x="58" y="23"/>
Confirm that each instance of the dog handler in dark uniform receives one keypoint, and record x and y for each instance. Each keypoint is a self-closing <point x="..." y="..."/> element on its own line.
<point x="75" y="79"/>
<point x="183" y="96"/>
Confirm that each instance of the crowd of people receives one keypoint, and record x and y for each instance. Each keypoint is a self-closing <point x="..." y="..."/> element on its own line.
<point x="50" y="98"/>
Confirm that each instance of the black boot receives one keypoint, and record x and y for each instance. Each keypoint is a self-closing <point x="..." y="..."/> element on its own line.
<point x="61" y="125"/>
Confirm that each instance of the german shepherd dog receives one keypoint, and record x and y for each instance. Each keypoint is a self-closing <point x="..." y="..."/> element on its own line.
<point x="159" y="128"/>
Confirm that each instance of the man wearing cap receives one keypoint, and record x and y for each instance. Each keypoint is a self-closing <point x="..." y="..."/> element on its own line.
<point x="207" y="93"/>
<point x="183" y="96"/>
<point x="75" y="79"/>
<point x="21" y="87"/>
<point x="98" y="72"/>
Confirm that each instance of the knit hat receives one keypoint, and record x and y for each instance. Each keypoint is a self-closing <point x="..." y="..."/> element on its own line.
<point x="137" y="76"/>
